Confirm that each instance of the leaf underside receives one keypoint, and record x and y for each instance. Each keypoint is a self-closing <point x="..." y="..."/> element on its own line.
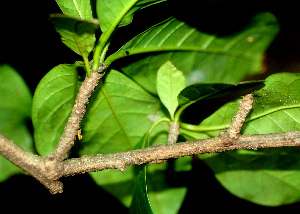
<point x="267" y="176"/>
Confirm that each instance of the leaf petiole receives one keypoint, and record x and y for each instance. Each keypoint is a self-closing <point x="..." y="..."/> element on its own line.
<point x="161" y="120"/>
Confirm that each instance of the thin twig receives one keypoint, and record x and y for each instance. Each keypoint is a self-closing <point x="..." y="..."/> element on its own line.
<point x="173" y="132"/>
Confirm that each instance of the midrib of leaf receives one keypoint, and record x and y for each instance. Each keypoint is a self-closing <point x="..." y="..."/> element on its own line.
<point x="116" y="115"/>
<point x="119" y="55"/>
<point x="79" y="13"/>
<point x="215" y="128"/>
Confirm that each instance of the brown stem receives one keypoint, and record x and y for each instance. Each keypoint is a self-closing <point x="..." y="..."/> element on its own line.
<point x="49" y="169"/>
<point x="68" y="137"/>
<point x="173" y="132"/>
<point x="157" y="154"/>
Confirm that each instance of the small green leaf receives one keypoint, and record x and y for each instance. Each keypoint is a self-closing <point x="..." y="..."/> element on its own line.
<point x="15" y="109"/>
<point x="200" y="56"/>
<point x="53" y="101"/>
<point x="170" y="81"/>
<point x="76" y="8"/>
<point x="118" y="13"/>
<point x="76" y="34"/>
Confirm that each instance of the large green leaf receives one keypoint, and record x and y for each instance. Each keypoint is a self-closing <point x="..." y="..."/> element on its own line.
<point x="270" y="176"/>
<point x="15" y="109"/>
<point x="119" y="114"/>
<point x="77" y="34"/>
<point x="53" y="101"/>
<point x="170" y="81"/>
<point x="113" y="14"/>
<point x="76" y="8"/>
<point x="202" y="57"/>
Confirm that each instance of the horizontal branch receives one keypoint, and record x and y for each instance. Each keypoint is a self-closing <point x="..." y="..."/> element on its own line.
<point x="157" y="154"/>
<point x="49" y="169"/>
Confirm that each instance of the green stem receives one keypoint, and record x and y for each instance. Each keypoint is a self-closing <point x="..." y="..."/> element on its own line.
<point x="98" y="51"/>
<point x="163" y="119"/>
<point x="103" y="54"/>
<point x="179" y="112"/>
<point x="196" y="128"/>
<point x="106" y="36"/>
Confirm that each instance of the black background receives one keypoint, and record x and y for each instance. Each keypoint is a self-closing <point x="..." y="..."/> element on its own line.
<point x="30" y="44"/>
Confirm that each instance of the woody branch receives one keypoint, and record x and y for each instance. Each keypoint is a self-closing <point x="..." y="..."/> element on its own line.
<point x="48" y="170"/>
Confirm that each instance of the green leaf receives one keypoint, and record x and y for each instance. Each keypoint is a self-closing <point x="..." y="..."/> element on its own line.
<point x="53" y="101"/>
<point x="164" y="197"/>
<point x="268" y="176"/>
<point x="170" y="81"/>
<point x="199" y="91"/>
<point x="117" y="13"/>
<point x="15" y="110"/>
<point x="76" y="8"/>
<point x="76" y="34"/>
<point x="120" y="112"/>
<point x="140" y="201"/>
<point x="202" y="57"/>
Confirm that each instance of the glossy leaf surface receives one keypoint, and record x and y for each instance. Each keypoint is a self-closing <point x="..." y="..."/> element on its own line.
<point x="202" y="57"/>
<point x="76" y="8"/>
<point x="52" y="104"/>
<point x="118" y="13"/>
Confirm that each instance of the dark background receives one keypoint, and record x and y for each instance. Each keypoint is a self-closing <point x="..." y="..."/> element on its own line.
<point x="30" y="44"/>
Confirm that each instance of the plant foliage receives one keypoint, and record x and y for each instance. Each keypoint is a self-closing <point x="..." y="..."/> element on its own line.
<point x="171" y="66"/>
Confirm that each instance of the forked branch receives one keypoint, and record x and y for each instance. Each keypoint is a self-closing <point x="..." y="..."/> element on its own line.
<point x="49" y="169"/>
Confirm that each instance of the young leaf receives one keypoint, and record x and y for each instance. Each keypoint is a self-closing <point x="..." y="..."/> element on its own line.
<point x="15" y="109"/>
<point x="170" y="81"/>
<point x="200" y="56"/>
<point x="78" y="35"/>
<point x="53" y="101"/>
<point x="113" y="14"/>
<point x="80" y="9"/>
<point x="252" y="175"/>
